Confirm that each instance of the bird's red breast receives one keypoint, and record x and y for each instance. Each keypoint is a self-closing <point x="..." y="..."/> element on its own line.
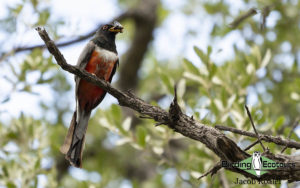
<point x="101" y="63"/>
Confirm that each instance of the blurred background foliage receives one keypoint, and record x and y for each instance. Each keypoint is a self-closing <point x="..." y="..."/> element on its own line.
<point x="218" y="69"/>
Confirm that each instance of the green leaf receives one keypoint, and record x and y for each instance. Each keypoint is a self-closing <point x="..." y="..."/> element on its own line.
<point x="181" y="88"/>
<point x="37" y="164"/>
<point x="189" y="66"/>
<point x="196" y="78"/>
<point x="201" y="55"/>
<point x="209" y="50"/>
<point x="43" y="18"/>
<point x="5" y="171"/>
<point x="116" y="113"/>
<point x="167" y="81"/>
<point x="127" y="123"/>
<point x="212" y="70"/>
<point x="279" y="122"/>
<point x="141" y="134"/>
<point x="162" y="13"/>
<point x="10" y="185"/>
<point x="256" y="52"/>
<point x="34" y="3"/>
<point x="16" y="11"/>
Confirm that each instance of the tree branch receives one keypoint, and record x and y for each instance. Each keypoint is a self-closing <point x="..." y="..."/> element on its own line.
<point x="297" y="121"/>
<point x="241" y="18"/>
<point x="127" y="14"/>
<point x="216" y="141"/>
<point x="212" y="171"/>
<point x="253" y="126"/>
<point x="267" y="138"/>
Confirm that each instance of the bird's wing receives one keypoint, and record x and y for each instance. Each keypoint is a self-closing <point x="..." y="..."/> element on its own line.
<point x="86" y="54"/>
<point x="82" y="62"/>
<point x="84" y="59"/>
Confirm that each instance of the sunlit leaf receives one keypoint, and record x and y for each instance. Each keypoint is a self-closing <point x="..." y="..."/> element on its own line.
<point x="266" y="59"/>
<point x="189" y="66"/>
<point x="195" y="174"/>
<point x="168" y="82"/>
<point x="43" y="18"/>
<point x="250" y="69"/>
<point x="127" y="123"/>
<point x="217" y="80"/>
<point x="181" y="88"/>
<point x="158" y="150"/>
<point x="195" y="78"/>
<point x="231" y="100"/>
<point x="201" y="55"/>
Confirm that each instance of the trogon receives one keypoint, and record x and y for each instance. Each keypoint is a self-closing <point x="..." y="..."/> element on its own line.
<point x="100" y="58"/>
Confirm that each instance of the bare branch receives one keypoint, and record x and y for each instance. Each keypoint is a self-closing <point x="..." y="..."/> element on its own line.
<point x="264" y="14"/>
<point x="212" y="171"/>
<point x="267" y="138"/>
<point x="292" y="130"/>
<point x="253" y="126"/>
<point x="251" y="145"/>
<point x="121" y="17"/>
<point x="241" y="18"/>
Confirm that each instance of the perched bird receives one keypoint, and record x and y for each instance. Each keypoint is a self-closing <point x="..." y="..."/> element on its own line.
<point x="100" y="58"/>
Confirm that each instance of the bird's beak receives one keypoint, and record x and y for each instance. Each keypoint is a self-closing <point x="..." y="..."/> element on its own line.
<point x="117" y="27"/>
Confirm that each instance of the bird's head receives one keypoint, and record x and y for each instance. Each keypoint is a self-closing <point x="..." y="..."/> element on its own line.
<point x="110" y="29"/>
<point x="106" y="34"/>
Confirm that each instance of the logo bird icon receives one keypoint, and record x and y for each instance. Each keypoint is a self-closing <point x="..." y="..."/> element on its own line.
<point x="256" y="162"/>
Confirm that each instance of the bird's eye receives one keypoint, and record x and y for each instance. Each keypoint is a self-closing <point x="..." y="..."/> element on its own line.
<point x="105" y="27"/>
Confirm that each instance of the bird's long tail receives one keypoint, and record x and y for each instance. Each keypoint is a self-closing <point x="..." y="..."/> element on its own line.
<point x="74" y="141"/>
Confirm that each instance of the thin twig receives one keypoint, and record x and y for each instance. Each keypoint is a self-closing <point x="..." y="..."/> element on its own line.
<point x="267" y="138"/>
<point x="264" y="14"/>
<point x="16" y="50"/>
<point x="292" y="130"/>
<point x="241" y="18"/>
<point x="251" y="145"/>
<point x="212" y="171"/>
<point x="252" y="123"/>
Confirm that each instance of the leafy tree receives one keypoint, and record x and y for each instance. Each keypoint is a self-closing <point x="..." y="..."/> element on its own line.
<point x="253" y="61"/>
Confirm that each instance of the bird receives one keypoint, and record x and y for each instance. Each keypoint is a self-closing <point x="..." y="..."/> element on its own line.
<point x="100" y="58"/>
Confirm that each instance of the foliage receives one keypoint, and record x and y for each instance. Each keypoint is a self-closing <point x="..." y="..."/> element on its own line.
<point x="263" y="72"/>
